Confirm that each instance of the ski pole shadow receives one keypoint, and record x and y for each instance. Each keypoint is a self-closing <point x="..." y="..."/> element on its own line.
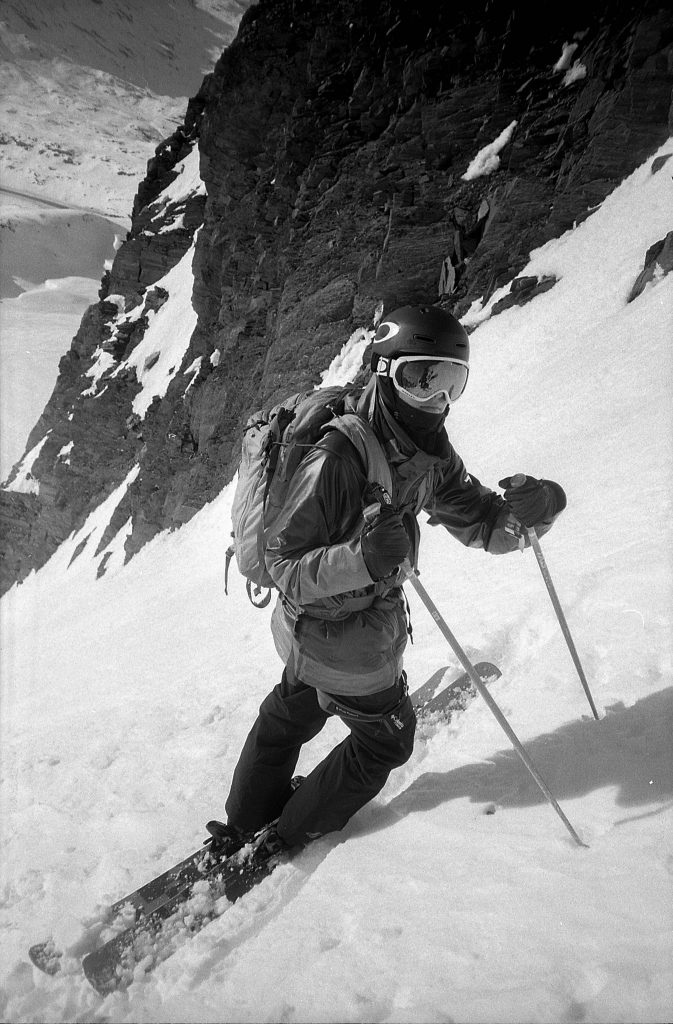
<point x="629" y="749"/>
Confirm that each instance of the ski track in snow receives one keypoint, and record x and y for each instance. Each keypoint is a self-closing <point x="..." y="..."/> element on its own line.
<point x="457" y="894"/>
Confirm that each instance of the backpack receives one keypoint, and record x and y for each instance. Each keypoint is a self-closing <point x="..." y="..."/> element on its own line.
<point x="274" y="443"/>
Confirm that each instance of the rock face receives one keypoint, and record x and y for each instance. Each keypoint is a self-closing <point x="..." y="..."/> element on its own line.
<point x="334" y="137"/>
<point x="658" y="261"/>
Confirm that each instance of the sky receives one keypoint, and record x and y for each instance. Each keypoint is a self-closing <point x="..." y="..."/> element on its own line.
<point x="457" y="894"/>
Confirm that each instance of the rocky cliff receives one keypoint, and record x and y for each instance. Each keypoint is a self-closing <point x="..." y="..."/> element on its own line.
<point x="326" y="168"/>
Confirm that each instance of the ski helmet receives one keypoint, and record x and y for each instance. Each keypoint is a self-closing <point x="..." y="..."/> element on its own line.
<point x="423" y="333"/>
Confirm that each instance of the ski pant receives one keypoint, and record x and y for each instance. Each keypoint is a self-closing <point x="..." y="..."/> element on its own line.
<point x="348" y="778"/>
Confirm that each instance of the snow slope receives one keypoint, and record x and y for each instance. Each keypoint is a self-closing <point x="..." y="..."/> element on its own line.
<point x="123" y="69"/>
<point x="47" y="252"/>
<point x="33" y="341"/>
<point x="457" y="894"/>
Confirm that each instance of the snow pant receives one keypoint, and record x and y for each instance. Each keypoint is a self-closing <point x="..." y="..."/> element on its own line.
<point x="348" y="778"/>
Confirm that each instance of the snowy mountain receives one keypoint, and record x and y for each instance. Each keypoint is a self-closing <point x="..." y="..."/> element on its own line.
<point x="89" y="89"/>
<point x="457" y="894"/>
<point x="334" y="160"/>
<point x="87" y="92"/>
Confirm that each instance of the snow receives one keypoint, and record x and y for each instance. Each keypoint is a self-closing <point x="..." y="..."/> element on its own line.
<point x="487" y="159"/>
<point x="104" y="362"/>
<point x="159" y="355"/>
<point x="194" y="369"/>
<point x="126" y="700"/>
<point x="563" y="63"/>
<point x="24" y="481"/>
<point x="64" y="452"/>
<point x="124" y="71"/>
<point x="575" y="74"/>
<point x="47" y="255"/>
<point x="35" y="330"/>
<point x="345" y="366"/>
<point x="187" y="183"/>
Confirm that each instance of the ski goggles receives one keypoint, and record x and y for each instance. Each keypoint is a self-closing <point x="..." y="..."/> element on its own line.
<point x="423" y="379"/>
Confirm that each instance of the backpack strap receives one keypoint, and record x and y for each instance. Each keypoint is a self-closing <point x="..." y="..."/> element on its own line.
<point x="368" y="447"/>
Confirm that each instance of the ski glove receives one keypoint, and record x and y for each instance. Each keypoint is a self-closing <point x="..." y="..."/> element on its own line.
<point x="385" y="544"/>
<point x="533" y="501"/>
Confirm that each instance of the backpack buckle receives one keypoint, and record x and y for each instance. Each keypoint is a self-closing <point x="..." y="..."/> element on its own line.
<point x="253" y="590"/>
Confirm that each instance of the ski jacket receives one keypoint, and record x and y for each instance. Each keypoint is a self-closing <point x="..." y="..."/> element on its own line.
<point x="346" y="632"/>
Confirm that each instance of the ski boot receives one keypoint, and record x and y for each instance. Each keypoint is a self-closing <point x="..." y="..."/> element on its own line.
<point x="269" y="844"/>
<point x="225" y="839"/>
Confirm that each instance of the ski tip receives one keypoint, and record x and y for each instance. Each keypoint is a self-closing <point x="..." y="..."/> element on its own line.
<point x="104" y="976"/>
<point x="46" y="957"/>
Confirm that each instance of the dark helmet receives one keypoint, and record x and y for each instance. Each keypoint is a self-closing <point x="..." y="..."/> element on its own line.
<point x="420" y="331"/>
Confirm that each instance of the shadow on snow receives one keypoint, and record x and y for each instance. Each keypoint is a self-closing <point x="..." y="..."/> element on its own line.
<point x="630" y="749"/>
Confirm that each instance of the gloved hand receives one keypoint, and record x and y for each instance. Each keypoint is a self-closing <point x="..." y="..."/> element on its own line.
<point x="532" y="501"/>
<point x="385" y="544"/>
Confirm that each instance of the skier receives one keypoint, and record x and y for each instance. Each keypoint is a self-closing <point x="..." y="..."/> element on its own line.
<point x="340" y="621"/>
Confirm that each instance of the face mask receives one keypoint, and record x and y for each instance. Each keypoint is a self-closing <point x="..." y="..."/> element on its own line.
<point x="417" y="421"/>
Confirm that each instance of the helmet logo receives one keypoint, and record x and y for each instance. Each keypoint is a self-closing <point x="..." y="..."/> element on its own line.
<point x="387" y="330"/>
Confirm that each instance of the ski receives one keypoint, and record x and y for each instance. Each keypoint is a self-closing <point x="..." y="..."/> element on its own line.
<point x="131" y="908"/>
<point x="114" y="965"/>
<point x="430" y="698"/>
<point x="46" y="957"/>
<point x="151" y="921"/>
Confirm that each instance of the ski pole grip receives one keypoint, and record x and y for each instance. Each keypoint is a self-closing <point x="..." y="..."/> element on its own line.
<point x="518" y="480"/>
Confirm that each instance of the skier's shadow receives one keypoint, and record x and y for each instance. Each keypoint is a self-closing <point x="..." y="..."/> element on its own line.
<point x="630" y="749"/>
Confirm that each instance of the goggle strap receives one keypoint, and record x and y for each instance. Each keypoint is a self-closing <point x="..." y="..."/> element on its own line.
<point x="385" y="362"/>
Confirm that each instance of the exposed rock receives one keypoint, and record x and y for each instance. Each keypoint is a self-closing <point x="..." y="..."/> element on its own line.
<point x="19" y="514"/>
<point x="660" y="161"/>
<point x="658" y="263"/>
<point x="521" y="291"/>
<point x="333" y="139"/>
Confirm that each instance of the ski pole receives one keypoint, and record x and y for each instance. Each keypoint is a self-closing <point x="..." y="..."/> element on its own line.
<point x="546" y="576"/>
<point x="493" y="707"/>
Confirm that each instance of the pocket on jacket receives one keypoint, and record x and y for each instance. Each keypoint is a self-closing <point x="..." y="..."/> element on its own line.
<point x="360" y="643"/>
